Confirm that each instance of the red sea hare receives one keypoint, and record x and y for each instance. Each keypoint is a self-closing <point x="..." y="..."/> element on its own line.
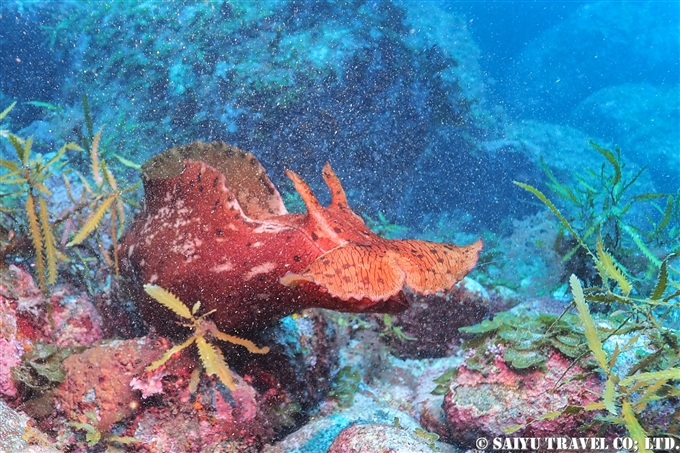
<point x="214" y="229"/>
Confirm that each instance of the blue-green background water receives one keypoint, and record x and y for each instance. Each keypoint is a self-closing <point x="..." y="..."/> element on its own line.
<point x="427" y="110"/>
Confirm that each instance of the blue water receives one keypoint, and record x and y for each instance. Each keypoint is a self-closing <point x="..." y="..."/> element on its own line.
<point x="419" y="106"/>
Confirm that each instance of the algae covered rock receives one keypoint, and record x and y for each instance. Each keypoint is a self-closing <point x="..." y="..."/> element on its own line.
<point x="429" y="328"/>
<point x="360" y="428"/>
<point x="507" y="400"/>
<point x="98" y="381"/>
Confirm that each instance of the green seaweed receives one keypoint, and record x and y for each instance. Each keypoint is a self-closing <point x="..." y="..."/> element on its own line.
<point x="40" y="368"/>
<point x="602" y="207"/>
<point x="527" y="338"/>
<point x="430" y="438"/>
<point x="31" y="219"/>
<point x="605" y="202"/>
<point x="623" y="392"/>
<point x="384" y="228"/>
<point x="444" y="382"/>
<point x="93" y="436"/>
<point x="345" y="385"/>
<point x="393" y="333"/>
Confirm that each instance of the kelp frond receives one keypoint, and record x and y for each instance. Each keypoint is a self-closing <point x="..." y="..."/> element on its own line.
<point x="607" y="268"/>
<point x="92" y="222"/>
<point x="594" y="342"/>
<point x="105" y="197"/>
<point x="213" y="361"/>
<point x="210" y="357"/>
<point x="28" y="179"/>
<point x="26" y="199"/>
<point x="169" y="300"/>
<point x="37" y="239"/>
<point x="50" y="247"/>
<point x="249" y="345"/>
<point x="4" y="113"/>
<point x="169" y="353"/>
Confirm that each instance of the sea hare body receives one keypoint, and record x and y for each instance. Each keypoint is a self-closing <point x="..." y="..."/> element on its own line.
<point x="214" y="229"/>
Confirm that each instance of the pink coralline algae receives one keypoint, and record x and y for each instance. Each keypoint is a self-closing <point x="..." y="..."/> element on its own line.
<point x="75" y="321"/>
<point x="25" y="318"/>
<point x="9" y="357"/>
<point x="98" y="381"/>
<point x="179" y="408"/>
<point x="211" y="419"/>
<point x="65" y="318"/>
<point x="207" y="423"/>
<point x="485" y="406"/>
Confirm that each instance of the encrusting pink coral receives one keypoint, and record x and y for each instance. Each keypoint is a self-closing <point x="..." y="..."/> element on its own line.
<point x="214" y="229"/>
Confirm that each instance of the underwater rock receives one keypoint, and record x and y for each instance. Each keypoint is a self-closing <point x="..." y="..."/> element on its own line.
<point x="598" y="45"/>
<point x="429" y="395"/>
<point x="11" y="345"/>
<point x="486" y="405"/>
<point x="294" y="376"/>
<point x="367" y="86"/>
<point x="318" y="435"/>
<point x="15" y="431"/>
<point x="12" y="428"/>
<point x="215" y="229"/>
<point x="38" y="449"/>
<point x="65" y="318"/>
<point x="11" y="357"/>
<point x="75" y="320"/>
<point x="614" y="113"/>
<point x="274" y="393"/>
<point x="98" y="381"/>
<point x="538" y="140"/>
<point x="378" y="438"/>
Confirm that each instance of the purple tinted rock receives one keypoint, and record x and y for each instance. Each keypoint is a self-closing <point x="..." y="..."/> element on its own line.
<point x="488" y="405"/>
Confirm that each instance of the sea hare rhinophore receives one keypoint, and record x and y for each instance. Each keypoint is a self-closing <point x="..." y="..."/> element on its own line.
<point x="214" y="228"/>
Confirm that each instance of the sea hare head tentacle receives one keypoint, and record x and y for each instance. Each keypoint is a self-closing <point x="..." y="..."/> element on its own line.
<point x="338" y="198"/>
<point x="308" y="197"/>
